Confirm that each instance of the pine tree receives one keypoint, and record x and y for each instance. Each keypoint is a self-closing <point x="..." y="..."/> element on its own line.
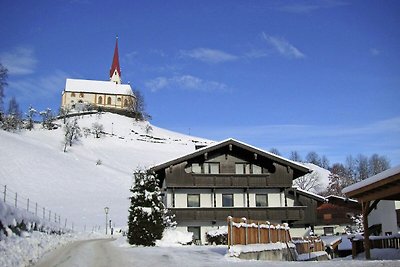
<point x="146" y="219"/>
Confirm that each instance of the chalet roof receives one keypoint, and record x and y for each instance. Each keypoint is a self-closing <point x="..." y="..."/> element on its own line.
<point x="300" y="169"/>
<point x="344" y="199"/>
<point x="384" y="185"/>
<point x="115" y="62"/>
<point x="99" y="87"/>
<point x="308" y="194"/>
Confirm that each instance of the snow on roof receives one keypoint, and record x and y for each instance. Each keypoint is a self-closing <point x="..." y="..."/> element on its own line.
<point x="207" y="148"/>
<point x="373" y="179"/>
<point x="102" y="87"/>
<point x="342" y="198"/>
<point x="298" y="189"/>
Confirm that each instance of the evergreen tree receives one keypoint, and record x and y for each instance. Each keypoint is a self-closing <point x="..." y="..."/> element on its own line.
<point x="146" y="219"/>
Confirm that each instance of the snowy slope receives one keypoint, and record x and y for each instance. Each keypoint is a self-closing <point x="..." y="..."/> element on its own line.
<point x="72" y="184"/>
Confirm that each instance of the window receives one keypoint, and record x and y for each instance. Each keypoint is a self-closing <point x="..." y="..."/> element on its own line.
<point x="242" y="168"/>
<point x="211" y="167"/>
<point x="261" y="200"/>
<point x="125" y="102"/>
<point x="257" y="169"/>
<point x="196" y="233"/>
<point x="328" y="230"/>
<point x="193" y="200"/>
<point x="81" y="95"/>
<point x="227" y="200"/>
<point x="327" y="216"/>
<point x="72" y="94"/>
<point x="109" y="101"/>
<point x="196" y="168"/>
<point x="100" y="100"/>
<point x="119" y="99"/>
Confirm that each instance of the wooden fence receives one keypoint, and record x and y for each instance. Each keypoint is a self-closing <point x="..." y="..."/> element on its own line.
<point x="308" y="244"/>
<point x="244" y="232"/>
<point x="392" y="241"/>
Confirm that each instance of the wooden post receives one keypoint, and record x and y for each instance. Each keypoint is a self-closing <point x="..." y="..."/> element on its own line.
<point x="245" y="231"/>
<point x="365" y="206"/>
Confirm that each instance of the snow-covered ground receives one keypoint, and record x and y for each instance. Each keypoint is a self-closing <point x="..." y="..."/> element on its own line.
<point x="73" y="184"/>
<point x="99" y="250"/>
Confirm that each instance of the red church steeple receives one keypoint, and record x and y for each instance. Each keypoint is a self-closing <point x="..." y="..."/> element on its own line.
<point x="115" y="71"/>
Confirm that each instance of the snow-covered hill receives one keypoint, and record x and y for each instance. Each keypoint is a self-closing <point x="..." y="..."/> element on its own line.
<point x="73" y="184"/>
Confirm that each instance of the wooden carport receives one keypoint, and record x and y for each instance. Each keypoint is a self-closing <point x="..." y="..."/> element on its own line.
<point x="383" y="186"/>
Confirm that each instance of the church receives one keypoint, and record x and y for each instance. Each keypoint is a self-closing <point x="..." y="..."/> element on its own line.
<point x="109" y="95"/>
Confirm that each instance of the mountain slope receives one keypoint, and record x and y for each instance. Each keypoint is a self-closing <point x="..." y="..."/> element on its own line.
<point x="73" y="184"/>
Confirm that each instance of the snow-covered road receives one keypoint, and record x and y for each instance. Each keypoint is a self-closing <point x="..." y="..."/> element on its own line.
<point x="97" y="252"/>
<point x="108" y="252"/>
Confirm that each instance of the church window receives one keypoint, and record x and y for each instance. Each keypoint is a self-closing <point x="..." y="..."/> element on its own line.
<point x="125" y="102"/>
<point x="100" y="100"/>
<point x="109" y="101"/>
<point x="81" y="95"/>
<point x="72" y="94"/>
<point x="119" y="99"/>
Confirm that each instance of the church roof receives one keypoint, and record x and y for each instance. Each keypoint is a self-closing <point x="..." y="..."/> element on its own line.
<point x="115" y="62"/>
<point x="99" y="87"/>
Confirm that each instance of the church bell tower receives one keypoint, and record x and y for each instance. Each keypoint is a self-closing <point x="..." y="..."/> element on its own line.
<point x="115" y="71"/>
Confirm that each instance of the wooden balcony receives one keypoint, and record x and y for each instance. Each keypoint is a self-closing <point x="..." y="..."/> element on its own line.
<point x="254" y="213"/>
<point x="227" y="181"/>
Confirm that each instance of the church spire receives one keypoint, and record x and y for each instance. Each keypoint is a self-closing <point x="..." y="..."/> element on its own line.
<point x="115" y="71"/>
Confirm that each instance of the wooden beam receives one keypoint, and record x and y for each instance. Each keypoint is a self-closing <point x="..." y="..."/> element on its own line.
<point x="373" y="206"/>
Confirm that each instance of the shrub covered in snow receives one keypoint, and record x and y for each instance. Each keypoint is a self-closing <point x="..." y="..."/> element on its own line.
<point x="218" y="236"/>
<point x="17" y="222"/>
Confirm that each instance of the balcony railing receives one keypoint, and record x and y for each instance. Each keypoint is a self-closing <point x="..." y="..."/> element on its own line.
<point x="255" y="213"/>
<point x="227" y="181"/>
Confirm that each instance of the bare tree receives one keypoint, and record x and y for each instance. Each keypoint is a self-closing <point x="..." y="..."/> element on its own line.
<point x="313" y="157"/>
<point x="324" y="162"/>
<point x="338" y="179"/>
<point x="295" y="156"/>
<point x="139" y="107"/>
<point x="377" y="164"/>
<point x="72" y="132"/>
<point x="3" y="84"/>
<point x="275" y="151"/>
<point x="63" y="112"/>
<point x="362" y="168"/>
<point x="308" y="182"/>
<point x="97" y="129"/>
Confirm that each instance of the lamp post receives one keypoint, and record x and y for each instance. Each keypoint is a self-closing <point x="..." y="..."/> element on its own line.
<point x="106" y="209"/>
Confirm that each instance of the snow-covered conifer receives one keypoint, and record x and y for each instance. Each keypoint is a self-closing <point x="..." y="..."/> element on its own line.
<point x="30" y="117"/>
<point x="146" y="213"/>
<point x="47" y="119"/>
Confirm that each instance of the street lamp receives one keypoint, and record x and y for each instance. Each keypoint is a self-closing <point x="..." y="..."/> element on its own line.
<point x="106" y="209"/>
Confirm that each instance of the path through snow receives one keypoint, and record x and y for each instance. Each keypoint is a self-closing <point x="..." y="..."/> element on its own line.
<point x="96" y="252"/>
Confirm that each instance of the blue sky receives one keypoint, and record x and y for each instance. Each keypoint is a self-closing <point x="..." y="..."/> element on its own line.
<point x="295" y="75"/>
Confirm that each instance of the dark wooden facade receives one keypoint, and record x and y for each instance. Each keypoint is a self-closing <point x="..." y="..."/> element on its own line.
<point x="274" y="172"/>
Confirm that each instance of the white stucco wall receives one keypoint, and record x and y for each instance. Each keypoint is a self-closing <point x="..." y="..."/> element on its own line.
<point x="384" y="214"/>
